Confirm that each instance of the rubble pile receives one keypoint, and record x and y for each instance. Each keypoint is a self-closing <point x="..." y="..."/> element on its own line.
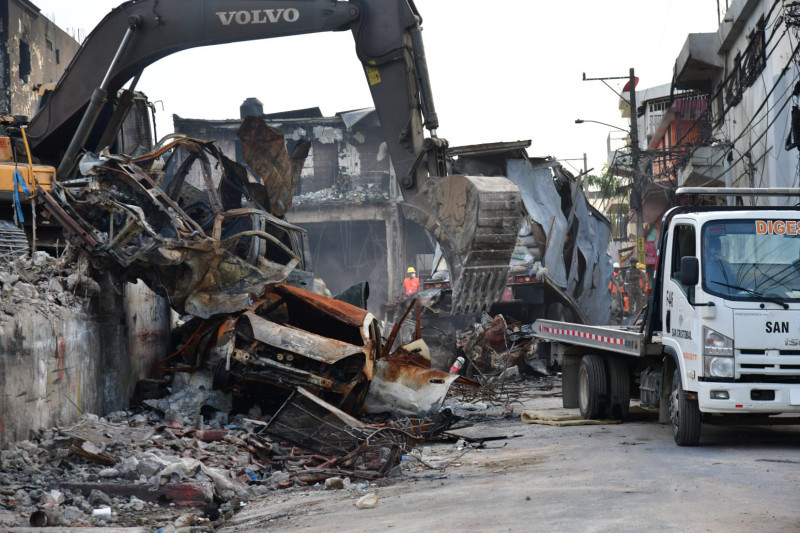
<point x="497" y="349"/>
<point x="130" y="469"/>
<point x="135" y="468"/>
<point x="352" y="195"/>
<point x="528" y="255"/>
<point x="100" y="472"/>
<point x="45" y="281"/>
<point x="138" y="468"/>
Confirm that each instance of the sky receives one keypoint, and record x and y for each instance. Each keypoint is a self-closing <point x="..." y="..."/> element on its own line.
<point x="501" y="70"/>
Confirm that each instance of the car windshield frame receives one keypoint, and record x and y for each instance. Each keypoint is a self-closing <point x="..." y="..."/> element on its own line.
<point x="754" y="260"/>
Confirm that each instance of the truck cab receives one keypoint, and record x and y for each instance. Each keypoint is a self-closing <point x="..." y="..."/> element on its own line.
<point x="730" y="312"/>
<point x="720" y="339"/>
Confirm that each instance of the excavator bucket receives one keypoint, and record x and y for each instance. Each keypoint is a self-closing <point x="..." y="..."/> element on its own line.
<point x="475" y="220"/>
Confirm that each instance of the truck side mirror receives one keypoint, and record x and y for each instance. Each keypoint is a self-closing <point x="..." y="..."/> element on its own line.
<point x="690" y="271"/>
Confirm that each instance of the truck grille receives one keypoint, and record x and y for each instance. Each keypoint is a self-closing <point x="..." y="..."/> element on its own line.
<point x="756" y="365"/>
<point x="763" y="352"/>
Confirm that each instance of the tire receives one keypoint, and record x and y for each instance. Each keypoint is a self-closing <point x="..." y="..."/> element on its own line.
<point x="619" y="388"/>
<point x="592" y="387"/>
<point x="684" y="414"/>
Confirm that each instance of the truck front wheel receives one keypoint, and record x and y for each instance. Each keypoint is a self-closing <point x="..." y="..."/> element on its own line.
<point x="592" y="386"/>
<point x="684" y="414"/>
<point x="619" y="389"/>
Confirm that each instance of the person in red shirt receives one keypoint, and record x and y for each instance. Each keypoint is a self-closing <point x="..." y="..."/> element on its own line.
<point x="411" y="282"/>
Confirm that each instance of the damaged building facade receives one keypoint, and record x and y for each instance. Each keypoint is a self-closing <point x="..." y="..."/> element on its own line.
<point x="346" y="200"/>
<point x="349" y="203"/>
<point x="35" y="52"/>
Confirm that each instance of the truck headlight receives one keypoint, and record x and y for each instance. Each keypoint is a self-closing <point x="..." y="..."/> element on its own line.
<point x="717" y="354"/>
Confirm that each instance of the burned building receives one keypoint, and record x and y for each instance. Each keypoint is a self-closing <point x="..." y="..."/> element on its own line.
<point x="347" y="199"/>
<point x="349" y="202"/>
<point x="35" y="52"/>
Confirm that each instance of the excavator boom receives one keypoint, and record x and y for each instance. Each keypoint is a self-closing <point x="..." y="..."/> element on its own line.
<point x="474" y="219"/>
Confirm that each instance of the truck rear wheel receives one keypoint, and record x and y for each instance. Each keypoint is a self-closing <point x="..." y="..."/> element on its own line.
<point x="619" y="388"/>
<point x="684" y="414"/>
<point x="592" y="386"/>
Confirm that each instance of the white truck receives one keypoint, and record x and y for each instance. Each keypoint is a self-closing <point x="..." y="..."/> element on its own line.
<point x="720" y="337"/>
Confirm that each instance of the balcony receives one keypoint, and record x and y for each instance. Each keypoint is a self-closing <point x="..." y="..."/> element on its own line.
<point x="699" y="64"/>
<point x="703" y="168"/>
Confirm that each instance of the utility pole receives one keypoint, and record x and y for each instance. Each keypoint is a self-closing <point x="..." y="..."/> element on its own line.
<point x="636" y="192"/>
<point x="636" y="171"/>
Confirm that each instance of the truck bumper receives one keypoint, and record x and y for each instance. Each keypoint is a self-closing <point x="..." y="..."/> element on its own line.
<point x="766" y="398"/>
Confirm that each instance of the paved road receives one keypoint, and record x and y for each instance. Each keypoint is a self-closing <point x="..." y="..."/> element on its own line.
<point x="628" y="477"/>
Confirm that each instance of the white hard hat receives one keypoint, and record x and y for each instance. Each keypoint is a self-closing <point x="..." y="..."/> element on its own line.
<point x="616" y="265"/>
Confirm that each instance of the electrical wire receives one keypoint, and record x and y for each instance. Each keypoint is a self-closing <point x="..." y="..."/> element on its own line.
<point x="753" y="120"/>
<point x="681" y="145"/>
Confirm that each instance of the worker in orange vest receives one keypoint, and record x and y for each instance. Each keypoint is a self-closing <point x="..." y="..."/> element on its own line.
<point x="638" y="286"/>
<point x="619" y="299"/>
<point x="411" y="282"/>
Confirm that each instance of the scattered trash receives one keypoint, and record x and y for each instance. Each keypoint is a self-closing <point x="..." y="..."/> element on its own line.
<point x="47" y="518"/>
<point x="367" y="501"/>
<point x="457" y="365"/>
<point x="103" y="512"/>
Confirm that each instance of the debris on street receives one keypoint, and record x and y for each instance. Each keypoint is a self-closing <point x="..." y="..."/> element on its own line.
<point x="138" y="468"/>
<point x="496" y="349"/>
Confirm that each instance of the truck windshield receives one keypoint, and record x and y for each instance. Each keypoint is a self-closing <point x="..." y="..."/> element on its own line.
<point x="757" y="260"/>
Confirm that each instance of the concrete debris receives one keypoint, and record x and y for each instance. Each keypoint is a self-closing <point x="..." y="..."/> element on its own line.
<point x="273" y="384"/>
<point x="334" y="483"/>
<point x="161" y="475"/>
<point x="42" y="282"/>
<point x="342" y="191"/>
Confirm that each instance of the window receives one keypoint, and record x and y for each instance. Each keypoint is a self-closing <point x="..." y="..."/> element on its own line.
<point x="754" y="59"/>
<point x="683" y="245"/>
<point x="747" y="66"/>
<point x="733" y="86"/>
<point x="24" y="60"/>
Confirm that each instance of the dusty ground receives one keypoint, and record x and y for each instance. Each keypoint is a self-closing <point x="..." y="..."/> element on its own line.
<point x="532" y="477"/>
<point x="629" y="477"/>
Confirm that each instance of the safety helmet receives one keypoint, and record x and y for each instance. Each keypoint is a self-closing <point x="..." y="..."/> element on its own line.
<point x="616" y="265"/>
<point x="411" y="270"/>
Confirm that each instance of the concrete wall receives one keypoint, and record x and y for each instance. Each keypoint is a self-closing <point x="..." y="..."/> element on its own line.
<point x="58" y="362"/>
<point x="147" y="320"/>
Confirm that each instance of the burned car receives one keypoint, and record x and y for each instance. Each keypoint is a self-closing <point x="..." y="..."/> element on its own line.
<point x="295" y="338"/>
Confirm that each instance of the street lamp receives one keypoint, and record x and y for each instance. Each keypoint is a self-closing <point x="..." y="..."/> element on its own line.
<point x="608" y="139"/>
<point x="582" y="121"/>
